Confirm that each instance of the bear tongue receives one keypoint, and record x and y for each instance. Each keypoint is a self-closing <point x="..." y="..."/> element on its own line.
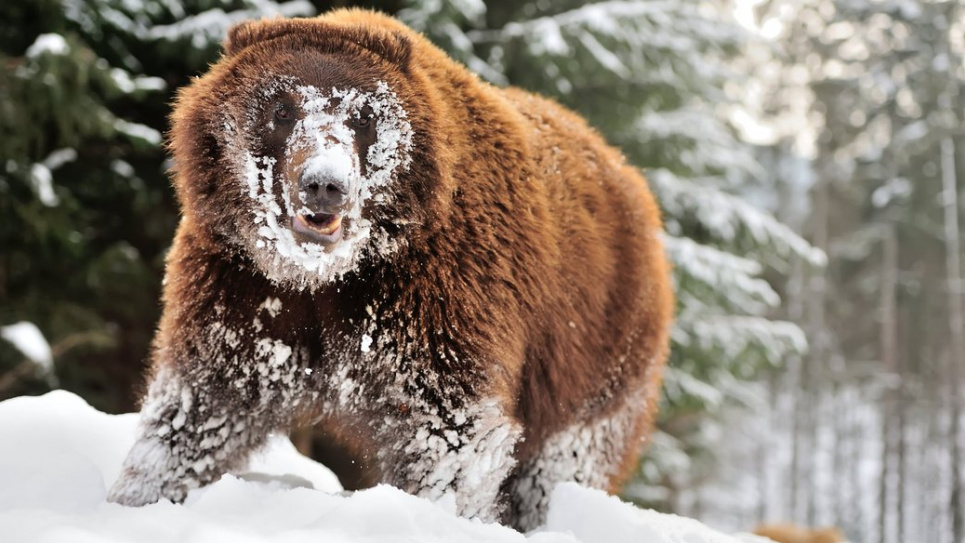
<point x="322" y="224"/>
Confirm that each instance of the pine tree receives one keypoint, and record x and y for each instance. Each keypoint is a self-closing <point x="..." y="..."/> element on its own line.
<point x="871" y="410"/>
<point x="88" y="212"/>
<point x="886" y="71"/>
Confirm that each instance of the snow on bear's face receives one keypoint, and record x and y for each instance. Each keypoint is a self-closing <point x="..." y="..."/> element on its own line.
<point x="318" y="163"/>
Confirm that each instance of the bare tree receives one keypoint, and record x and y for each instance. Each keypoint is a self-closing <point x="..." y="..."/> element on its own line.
<point x="888" y="353"/>
<point x="955" y="322"/>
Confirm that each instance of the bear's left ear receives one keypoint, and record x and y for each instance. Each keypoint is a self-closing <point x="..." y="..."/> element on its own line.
<point x="392" y="46"/>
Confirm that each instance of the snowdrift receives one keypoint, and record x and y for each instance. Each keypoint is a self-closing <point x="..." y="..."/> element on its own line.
<point x="58" y="457"/>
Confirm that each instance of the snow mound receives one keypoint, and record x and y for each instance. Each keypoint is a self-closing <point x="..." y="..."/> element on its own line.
<point x="58" y="457"/>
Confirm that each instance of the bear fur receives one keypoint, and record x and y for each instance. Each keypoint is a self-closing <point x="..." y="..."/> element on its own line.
<point x="464" y="283"/>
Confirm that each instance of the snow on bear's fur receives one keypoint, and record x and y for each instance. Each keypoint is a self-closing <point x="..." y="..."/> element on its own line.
<point x="463" y="283"/>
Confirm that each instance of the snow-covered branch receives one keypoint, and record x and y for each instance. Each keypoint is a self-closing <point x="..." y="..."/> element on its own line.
<point x="732" y="336"/>
<point x="728" y="218"/>
<point x="730" y="275"/>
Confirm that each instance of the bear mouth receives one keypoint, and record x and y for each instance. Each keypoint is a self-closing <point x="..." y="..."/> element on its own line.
<point x="323" y="227"/>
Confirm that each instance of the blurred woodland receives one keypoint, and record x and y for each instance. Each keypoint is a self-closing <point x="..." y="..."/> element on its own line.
<point x="805" y="152"/>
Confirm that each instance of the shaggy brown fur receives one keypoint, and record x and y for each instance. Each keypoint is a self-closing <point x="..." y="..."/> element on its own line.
<point x="512" y="337"/>
<point x="789" y="533"/>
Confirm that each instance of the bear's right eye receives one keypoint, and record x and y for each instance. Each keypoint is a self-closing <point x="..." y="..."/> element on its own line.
<point x="283" y="113"/>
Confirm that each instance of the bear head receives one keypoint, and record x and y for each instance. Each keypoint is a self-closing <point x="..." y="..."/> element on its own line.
<point x="308" y="147"/>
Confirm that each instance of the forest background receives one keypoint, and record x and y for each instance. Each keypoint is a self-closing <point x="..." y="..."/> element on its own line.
<point x="805" y="153"/>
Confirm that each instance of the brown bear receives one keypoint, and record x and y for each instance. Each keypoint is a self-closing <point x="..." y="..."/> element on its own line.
<point x="463" y="282"/>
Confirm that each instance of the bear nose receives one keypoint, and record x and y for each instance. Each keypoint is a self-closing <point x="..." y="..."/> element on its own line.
<point x="323" y="191"/>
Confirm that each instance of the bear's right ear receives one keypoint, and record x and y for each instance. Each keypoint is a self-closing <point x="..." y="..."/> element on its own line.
<point x="393" y="46"/>
<point x="244" y="34"/>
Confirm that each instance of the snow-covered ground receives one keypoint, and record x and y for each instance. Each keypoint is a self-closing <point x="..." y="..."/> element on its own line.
<point x="58" y="456"/>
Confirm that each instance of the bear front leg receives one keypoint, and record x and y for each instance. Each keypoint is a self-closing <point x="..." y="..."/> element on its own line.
<point x="225" y="377"/>
<point x="465" y="451"/>
<point x="187" y="438"/>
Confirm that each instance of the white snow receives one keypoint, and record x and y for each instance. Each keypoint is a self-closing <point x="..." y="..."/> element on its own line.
<point x="42" y="180"/>
<point x="728" y="217"/>
<point x="128" y="84"/>
<point x="58" y="456"/>
<point x="42" y="175"/>
<point x="212" y="25"/>
<point x="122" y="168"/>
<point x="729" y="274"/>
<point x="138" y="131"/>
<point x="604" y="56"/>
<point x="271" y="305"/>
<point x="54" y="44"/>
<point x="30" y="341"/>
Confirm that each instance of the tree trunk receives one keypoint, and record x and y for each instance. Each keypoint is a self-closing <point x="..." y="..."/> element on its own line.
<point x="804" y="492"/>
<point x="887" y="346"/>
<point x="901" y="464"/>
<point x="955" y="323"/>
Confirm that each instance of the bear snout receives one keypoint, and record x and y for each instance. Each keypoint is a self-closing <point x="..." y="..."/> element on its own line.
<point x="323" y="192"/>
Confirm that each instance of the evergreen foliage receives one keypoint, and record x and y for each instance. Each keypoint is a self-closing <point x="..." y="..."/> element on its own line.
<point x="85" y="88"/>
<point x="864" y="432"/>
